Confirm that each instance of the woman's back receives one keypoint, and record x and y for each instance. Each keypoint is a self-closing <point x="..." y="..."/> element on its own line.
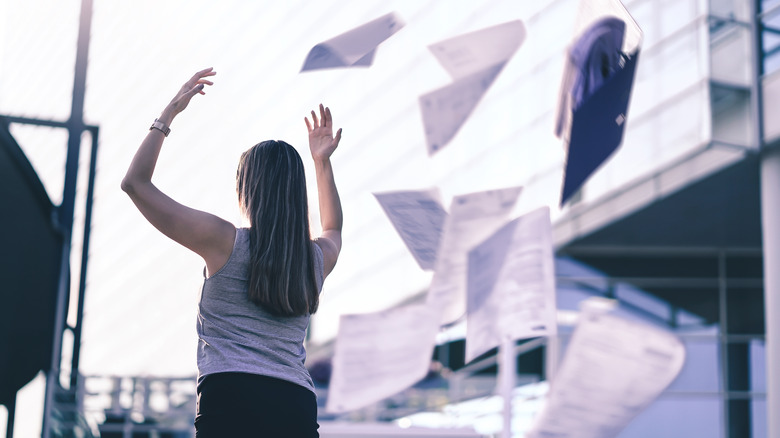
<point x="236" y="335"/>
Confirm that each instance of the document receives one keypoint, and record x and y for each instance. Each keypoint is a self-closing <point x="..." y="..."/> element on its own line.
<point x="355" y="47"/>
<point x="473" y="218"/>
<point x="418" y="217"/>
<point x="613" y="369"/>
<point x="380" y="354"/>
<point x="474" y="60"/>
<point x="511" y="284"/>
<point x="595" y="89"/>
<point x="445" y="110"/>
<point x="473" y="52"/>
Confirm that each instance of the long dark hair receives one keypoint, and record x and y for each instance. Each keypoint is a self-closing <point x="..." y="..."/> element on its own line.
<point x="271" y="188"/>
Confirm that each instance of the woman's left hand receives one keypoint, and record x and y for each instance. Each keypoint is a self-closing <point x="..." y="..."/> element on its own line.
<point x="322" y="143"/>
<point x="190" y="88"/>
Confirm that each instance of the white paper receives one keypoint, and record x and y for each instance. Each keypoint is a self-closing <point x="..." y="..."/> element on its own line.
<point x="474" y="60"/>
<point x="445" y="110"/>
<point x="613" y="369"/>
<point x="473" y="218"/>
<point x="474" y="52"/>
<point x="511" y="284"/>
<point x="380" y="354"/>
<point x="355" y="47"/>
<point x="418" y="216"/>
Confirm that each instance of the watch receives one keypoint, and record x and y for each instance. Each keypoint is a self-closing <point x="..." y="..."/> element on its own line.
<point x="160" y="126"/>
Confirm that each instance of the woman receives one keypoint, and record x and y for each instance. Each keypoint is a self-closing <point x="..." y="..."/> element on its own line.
<point x="261" y="283"/>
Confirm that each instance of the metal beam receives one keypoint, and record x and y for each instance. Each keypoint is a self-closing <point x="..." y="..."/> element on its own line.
<point x="74" y="368"/>
<point x="9" y="425"/>
<point x="620" y="250"/>
<point x="75" y="126"/>
<point x="43" y="122"/>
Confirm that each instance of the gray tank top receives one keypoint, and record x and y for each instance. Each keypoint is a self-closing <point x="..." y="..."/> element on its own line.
<point x="236" y="335"/>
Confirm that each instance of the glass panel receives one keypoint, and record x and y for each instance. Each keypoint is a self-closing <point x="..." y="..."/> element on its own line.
<point x="569" y="297"/>
<point x="657" y="267"/>
<point x="772" y="19"/>
<point x="771" y="40"/>
<point x="766" y="4"/>
<point x="757" y="366"/>
<point x="701" y="372"/>
<point x="772" y="63"/>
<point x="734" y="9"/>
<point x="742" y="364"/>
<point x="739" y="417"/>
<point x="745" y="266"/>
<point x="645" y="302"/>
<point x="758" y="418"/>
<point x="698" y="308"/>
<point x="730" y="47"/>
<point x="745" y="310"/>
<point x="678" y="417"/>
<point x="731" y="115"/>
<point x="738" y="356"/>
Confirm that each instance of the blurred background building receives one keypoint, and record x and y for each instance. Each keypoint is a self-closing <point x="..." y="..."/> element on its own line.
<point x="670" y="226"/>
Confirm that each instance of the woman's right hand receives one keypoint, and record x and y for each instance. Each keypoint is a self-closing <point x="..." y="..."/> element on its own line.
<point x="322" y="143"/>
<point x="190" y="88"/>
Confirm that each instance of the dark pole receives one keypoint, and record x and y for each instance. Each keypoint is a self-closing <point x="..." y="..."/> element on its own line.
<point x="74" y="368"/>
<point x="65" y="211"/>
<point x="9" y="427"/>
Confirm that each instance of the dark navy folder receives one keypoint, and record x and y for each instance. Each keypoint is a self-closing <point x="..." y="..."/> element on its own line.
<point x="597" y="126"/>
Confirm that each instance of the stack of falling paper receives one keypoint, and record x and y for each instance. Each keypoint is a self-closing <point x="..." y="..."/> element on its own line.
<point x="392" y="348"/>
<point x="495" y="271"/>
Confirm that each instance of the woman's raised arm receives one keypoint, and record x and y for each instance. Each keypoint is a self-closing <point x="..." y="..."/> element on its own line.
<point x="322" y="144"/>
<point x="206" y="234"/>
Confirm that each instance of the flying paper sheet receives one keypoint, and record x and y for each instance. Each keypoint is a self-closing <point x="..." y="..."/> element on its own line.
<point x="596" y="88"/>
<point x="380" y="354"/>
<point x="445" y="110"/>
<point x="418" y="216"/>
<point x="474" y="60"/>
<point x="511" y="284"/>
<point x="473" y="218"/>
<point x="613" y="369"/>
<point x="355" y="47"/>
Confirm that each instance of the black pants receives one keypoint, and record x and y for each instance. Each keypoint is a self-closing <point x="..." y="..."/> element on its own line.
<point x="240" y="405"/>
